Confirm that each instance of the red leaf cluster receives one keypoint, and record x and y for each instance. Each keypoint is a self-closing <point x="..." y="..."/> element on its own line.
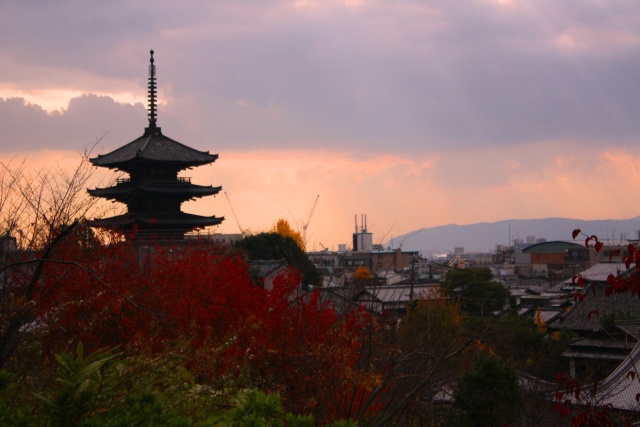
<point x="200" y="303"/>
<point x="598" y="245"/>
<point x="578" y="279"/>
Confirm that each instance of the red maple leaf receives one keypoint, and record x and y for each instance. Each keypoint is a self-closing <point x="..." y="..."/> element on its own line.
<point x="614" y="253"/>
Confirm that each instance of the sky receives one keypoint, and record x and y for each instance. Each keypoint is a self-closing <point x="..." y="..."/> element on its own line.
<point x="414" y="113"/>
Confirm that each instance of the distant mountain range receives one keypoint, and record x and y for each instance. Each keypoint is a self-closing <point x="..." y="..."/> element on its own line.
<point x="483" y="237"/>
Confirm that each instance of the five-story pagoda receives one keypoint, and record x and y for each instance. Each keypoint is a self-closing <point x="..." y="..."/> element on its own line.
<point x="154" y="192"/>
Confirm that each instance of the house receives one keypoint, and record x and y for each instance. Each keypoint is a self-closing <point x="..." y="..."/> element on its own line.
<point x="264" y="272"/>
<point x="392" y="298"/>
<point x="620" y="390"/>
<point x="595" y="356"/>
<point x="604" y="339"/>
<point x="337" y="267"/>
<point x="377" y="299"/>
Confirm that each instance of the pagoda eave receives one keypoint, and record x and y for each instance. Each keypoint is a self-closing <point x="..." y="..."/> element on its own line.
<point x="162" y="220"/>
<point x="129" y="165"/>
<point x="156" y="148"/>
<point x="180" y="190"/>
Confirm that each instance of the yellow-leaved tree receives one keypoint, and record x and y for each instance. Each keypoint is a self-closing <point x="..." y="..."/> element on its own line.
<point x="362" y="273"/>
<point x="283" y="228"/>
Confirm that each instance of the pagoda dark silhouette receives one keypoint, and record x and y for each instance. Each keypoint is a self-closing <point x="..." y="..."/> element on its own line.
<point x="154" y="192"/>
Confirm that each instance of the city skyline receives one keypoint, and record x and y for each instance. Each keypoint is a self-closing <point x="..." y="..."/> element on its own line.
<point x="417" y="115"/>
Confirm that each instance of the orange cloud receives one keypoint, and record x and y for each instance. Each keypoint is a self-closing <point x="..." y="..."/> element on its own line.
<point x="401" y="194"/>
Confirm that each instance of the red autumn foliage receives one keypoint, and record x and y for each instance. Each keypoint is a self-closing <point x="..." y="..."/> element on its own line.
<point x="199" y="301"/>
<point x="598" y="246"/>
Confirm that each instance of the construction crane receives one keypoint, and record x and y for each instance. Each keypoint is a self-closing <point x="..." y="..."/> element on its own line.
<point x="306" y="224"/>
<point x="242" y="231"/>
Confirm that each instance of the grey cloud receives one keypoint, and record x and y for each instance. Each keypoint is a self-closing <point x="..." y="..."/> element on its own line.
<point x="29" y="128"/>
<point x="403" y="75"/>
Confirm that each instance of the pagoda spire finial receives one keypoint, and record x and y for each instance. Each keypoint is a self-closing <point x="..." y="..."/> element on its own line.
<point x="152" y="96"/>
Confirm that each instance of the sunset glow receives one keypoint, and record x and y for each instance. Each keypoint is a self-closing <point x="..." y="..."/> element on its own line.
<point x="416" y="115"/>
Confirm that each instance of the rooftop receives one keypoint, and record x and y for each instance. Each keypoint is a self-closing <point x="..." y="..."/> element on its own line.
<point x="586" y="315"/>
<point x="154" y="147"/>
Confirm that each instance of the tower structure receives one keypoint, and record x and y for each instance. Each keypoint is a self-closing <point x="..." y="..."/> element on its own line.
<point x="362" y="239"/>
<point x="154" y="192"/>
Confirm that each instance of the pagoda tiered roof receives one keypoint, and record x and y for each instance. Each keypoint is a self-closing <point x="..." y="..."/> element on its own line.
<point x="125" y="190"/>
<point x="160" y="220"/>
<point x="154" y="192"/>
<point x="154" y="147"/>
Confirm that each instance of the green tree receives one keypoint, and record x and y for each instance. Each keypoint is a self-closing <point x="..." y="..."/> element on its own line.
<point x="83" y="382"/>
<point x="273" y="246"/>
<point x="534" y="351"/>
<point x="85" y="399"/>
<point x="480" y="294"/>
<point x="265" y="410"/>
<point x="488" y="394"/>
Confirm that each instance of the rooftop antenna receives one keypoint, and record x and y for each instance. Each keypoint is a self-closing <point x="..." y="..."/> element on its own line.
<point x="152" y="97"/>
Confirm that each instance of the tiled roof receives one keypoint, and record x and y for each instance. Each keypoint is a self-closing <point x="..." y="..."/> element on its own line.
<point x="631" y="327"/>
<point x="585" y="315"/>
<point x="548" y="315"/>
<point x="170" y="188"/>
<point x="601" y="271"/>
<point x="398" y="293"/>
<point x="621" y="388"/>
<point x="154" y="147"/>
<point x="164" y="220"/>
<point x="338" y="297"/>
<point x="553" y="247"/>
<point x="593" y="355"/>
<point x="599" y="341"/>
